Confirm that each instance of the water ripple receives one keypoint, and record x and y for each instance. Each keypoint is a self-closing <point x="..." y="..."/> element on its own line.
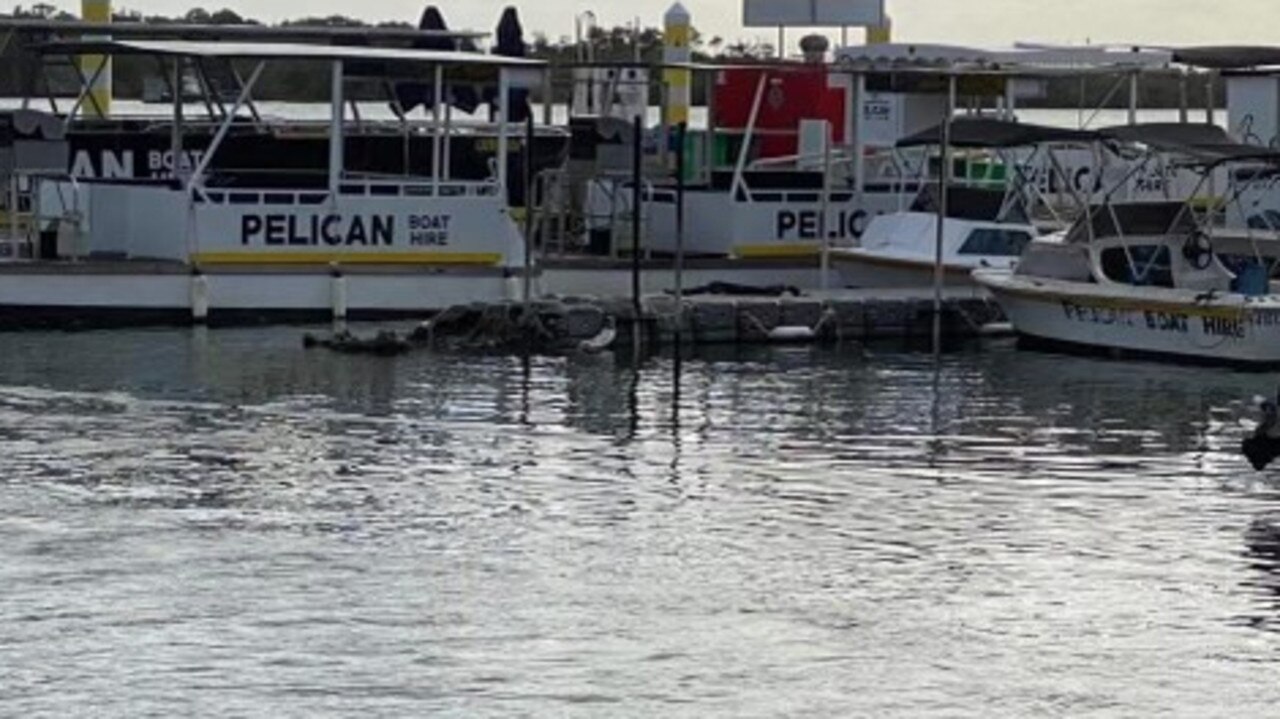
<point x="222" y="522"/>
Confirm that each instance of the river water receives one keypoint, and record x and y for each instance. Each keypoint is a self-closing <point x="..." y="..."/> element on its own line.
<point x="224" y="524"/>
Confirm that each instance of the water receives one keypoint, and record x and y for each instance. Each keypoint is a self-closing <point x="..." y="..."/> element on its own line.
<point x="224" y="524"/>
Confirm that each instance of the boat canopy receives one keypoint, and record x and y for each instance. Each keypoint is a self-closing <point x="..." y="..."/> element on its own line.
<point x="990" y="133"/>
<point x="1198" y="142"/>
<point x="1026" y="60"/>
<point x="260" y="33"/>
<point x="1228" y="57"/>
<point x="284" y="51"/>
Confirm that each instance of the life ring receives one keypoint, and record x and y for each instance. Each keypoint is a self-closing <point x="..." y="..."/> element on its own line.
<point x="1198" y="251"/>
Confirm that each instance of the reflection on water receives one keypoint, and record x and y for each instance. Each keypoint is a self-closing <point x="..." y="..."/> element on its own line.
<point x="225" y="520"/>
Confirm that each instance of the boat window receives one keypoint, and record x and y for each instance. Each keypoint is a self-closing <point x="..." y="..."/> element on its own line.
<point x="278" y="198"/>
<point x="996" y="242"/>
<point x="312" y="198"/>
<point x="384" y="190"/>
<point x="1151" y="266"/>
<point x="244" y="198"/>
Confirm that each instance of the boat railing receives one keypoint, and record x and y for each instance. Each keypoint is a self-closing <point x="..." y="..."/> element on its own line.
<point x="347" y="188"/>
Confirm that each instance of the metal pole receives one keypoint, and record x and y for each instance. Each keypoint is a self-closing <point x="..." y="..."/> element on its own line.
<point x="437" y="130"/>
<point x="1133" y="98"/>
<point x="944" y="181"/>
<point x="548" y="97"/>
<point x="175" y="137"/>
<point x="1209" y="98"/>
<point x="636" y="201"/>
<point x="824" y="227"/>
<point x="1183" y="104"/>
<point x="528" y="208"/>
<point x="336" y="106"/>
<point x="681" y="132"/>
<point x="859" y="143"/>
<point x="504" y="112"/>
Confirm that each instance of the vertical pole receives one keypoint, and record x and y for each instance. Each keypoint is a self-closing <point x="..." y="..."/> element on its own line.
<point x="1210" y="98"/>
<point x="548" y="97"/>
<point x="636" y="201"/>
<point x="504" y="112"/>
<point x="1133" y="98"/>
<point x="859" y="146"/>
<point x="437" y="129"/>
<point x="944" y="182"/>
<point x="448" y="139"/>
<point x="14" y="244"/>
<point x="1183" y="102"/>
<point x="336" y="111"/>
<point x="528" y="209"/>
<point x="682" y="131"/>
<point x="824" y="227"/>
<point x="175" y="133"/>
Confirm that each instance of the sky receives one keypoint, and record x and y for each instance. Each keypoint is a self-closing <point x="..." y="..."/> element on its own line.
<point x="973" y="22"/>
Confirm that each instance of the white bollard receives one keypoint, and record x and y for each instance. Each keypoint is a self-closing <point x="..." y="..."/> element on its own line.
<point x="338" y="294"/>
<point x="199" y="298"/>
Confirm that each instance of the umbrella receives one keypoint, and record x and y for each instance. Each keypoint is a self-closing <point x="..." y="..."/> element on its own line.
<point x="412" y="94"/>
<point x="510" y="43"/>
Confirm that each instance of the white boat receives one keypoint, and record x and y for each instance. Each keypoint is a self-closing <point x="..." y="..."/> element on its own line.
<point x="983" y="226"/>
<point x="899" y="249"/>
<point x="344" y="244"/>
<point x="1149" y="279"/>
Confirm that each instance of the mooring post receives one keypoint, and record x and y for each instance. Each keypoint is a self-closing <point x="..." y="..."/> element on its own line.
<point x="527" y="293"/>
<point x="944" y="183"/>
<point x="637" y="199"/>
<point x="681" y="132"/>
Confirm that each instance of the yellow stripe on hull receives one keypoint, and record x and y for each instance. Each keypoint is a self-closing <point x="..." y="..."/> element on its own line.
<point x="764" y="251"/>
<point x="1127" y="304"/>
<point x="453" y="259"/>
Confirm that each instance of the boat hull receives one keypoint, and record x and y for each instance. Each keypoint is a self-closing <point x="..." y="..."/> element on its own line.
<point x="858" y="268"/>
<point x="57" y="295"/>
<point x="1177" y="325"/>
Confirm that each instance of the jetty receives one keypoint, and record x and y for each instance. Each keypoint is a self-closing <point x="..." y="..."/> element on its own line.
<point x="590" y="324"/>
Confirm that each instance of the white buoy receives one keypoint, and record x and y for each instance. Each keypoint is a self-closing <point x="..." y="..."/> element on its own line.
<point x="795" y="333"/>
<point x="199" y="298"/>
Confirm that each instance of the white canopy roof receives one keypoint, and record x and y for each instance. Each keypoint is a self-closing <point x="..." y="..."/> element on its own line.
<point x="1027" y="59"/>
<point x="286" y="51"/>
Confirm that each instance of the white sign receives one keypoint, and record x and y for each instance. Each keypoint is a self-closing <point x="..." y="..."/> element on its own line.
<point x="813" y="13"/>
